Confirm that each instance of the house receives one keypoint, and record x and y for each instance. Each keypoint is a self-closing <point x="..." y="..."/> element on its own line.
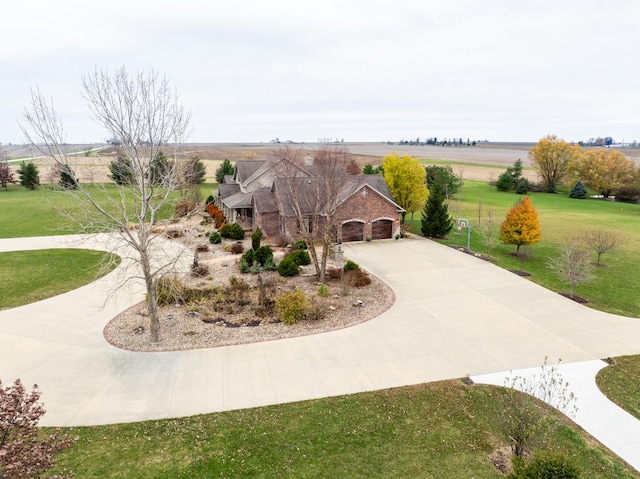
<point x="276" y="194"/>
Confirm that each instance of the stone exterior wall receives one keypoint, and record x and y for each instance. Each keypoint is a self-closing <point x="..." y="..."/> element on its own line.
<point x="366" y="205"/>
<point x="268" y="222"/>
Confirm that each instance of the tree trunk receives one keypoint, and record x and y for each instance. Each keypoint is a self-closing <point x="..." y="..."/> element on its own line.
<point x="152" y="305"/>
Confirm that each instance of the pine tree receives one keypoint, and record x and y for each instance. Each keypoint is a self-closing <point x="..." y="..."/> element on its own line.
<point x="521" y="226"/>
<point x="121" y="171"/>
<point x="578" y="191"/>
<point x="436" y="220"/>
<point x="68" y="180"/>
<point x="195" y="172"/>
<point x="226" y="168"/>
<point x="29" y="175"/>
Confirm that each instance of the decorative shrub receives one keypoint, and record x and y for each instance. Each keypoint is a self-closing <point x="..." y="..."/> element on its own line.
<point x="545" y="464"/>
<point x="237" y="248"/>
<point x="291" y="306"/>
<point x="249" y="257"/>
<point x="334" y="273"/>
<point x="256" y="237"/>
<point x="210" y="200"/>
<point x="350" y="266"/>
<point x="225" y="231"/>
<point x="505" y="181"/>
<point x="288" y="267"/>
<point x="199" y="270"/>
<point x="263" y="254"/>
<point x="233" y="231"/>
<point x="628" y="192"/>
<point x="184" y="207"/>
<point x="202" y="248"/>
<point x="215" y="238"/>
<point x="244" y="265"/>
<point x="299" y="245"/>
<point x="300" y="257"/>
<point x="578" y="191"/>
<point x="172" y="234"/>
<point x="269" y="264"/>
<point x="315" y="310"/>
<point x="169" y="290"/>
<point x="357" y="278"/>
<point x="323" y="290"/>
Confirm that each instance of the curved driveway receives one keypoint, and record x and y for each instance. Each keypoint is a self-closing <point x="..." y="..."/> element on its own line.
<point x="454" y="315"/>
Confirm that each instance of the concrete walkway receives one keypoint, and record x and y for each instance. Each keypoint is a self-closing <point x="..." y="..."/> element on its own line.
<point x="454" y="315"/>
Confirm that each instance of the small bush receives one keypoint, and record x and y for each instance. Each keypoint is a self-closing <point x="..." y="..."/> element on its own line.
<point x="628" y="193"/>
<point x="210" y="200"/>
<point x="184" y="207"/>
<point x="263" y="254"/>
<point x="199" y="270"/>
<point x="350" y="266"/>
<point x="236" y="232"/>
<point x="315" y="310"/>
<point x="545" y="464"/>
<point x="245" y="267"/>
<point x="299" y="245"/>
<point x="288" y="267"/>
<point x="237" y="248"/>
<point x="256" y="237"/>
<point x="202" y="248"/>
<point x="215" y="238"/>
<point x="300" y="257"/>
<point x="225" y="231"/>
<point x="357" y="278"/>
<point x="269" y="264"/>
<point x="323" y="290"/>
<point x="334" y="273"/>
<point x="551" y="189"/>
<point x="291" y="306"/>
<point x="172" y="234"/>
<point x="169" y="290"/>
<point x="249" y="257"/>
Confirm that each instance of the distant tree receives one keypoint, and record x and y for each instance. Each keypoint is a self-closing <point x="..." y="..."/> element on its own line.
<point x="6" y="175"/>
<point x="521" y="226"/>
<point x="159" y="169"/>
<point x="436" y="220"/>
<point x="553" y="157"/>
<point x="504" y="182"/>
<point x="578" y="191"/>
<point x="522" y="186"/>
<point x="449" y="181"/>
<point x="511" y="177"/>
<point x="195" y="172"/>
<point x="24" y="452"/>
<point x="405" y="177"/>
<point x="572" y="265"/>
<point x="488" y="230"/>
<point x="372" y="170"/>
<point x="352" y="167"/>
<point x="601" y="242"/>
<point x="121" y="171"/>
<point x="604" y="170"/>
<point x="68" y="180"/>
<point x="226" y="168"/>
<point x="29" y="175"/>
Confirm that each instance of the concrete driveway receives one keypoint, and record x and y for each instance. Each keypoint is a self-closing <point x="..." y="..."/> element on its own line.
<point x="454" y="315"/>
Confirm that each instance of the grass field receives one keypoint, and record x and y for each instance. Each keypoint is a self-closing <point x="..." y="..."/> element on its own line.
<point x="29" y="276"/>
<point x="438" y="430"/>
<point x="621" y="383"/>
<point x="616" y="285"/>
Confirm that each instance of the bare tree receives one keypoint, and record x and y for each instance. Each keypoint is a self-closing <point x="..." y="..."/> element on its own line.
<point x="313" y="193"/>
<point x="142" y="113"/>
<point x="573" y="265"/>
<point x="601" y="242"/>
<point x="489" y="229"/>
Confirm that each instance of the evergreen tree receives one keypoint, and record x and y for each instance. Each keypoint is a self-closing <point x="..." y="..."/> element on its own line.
<point x="158" y="169"/>
<point x="29" y="175"/>
<point x="121" y="171"/>
<point x="226" y="168"/>
<point x="68" y="180"/>
<point x="451" y="183"/>
<point x="195" y="172"/>
<point x="436" y="220"/>
<point x="521" y="226"/>
<point x="578" y="191"/>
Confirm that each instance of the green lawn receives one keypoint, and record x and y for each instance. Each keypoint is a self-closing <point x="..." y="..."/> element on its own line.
<point x="621" y="383"/>
<point x="616" y="285"/>
<point x="28" y="276"/>
<point x="437" y="430"/>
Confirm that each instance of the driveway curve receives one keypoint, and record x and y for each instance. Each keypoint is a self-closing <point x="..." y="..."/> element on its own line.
<point x="454" y="315"/>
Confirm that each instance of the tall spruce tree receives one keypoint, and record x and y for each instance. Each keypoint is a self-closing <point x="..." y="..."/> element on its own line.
<point x="436" y="220"/>
<point x="29" y="175"/>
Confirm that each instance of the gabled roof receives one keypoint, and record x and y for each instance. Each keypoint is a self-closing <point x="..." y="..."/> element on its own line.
<point x="275" y="167"/>
<point x="238" y="200"/>
<point x="225" y="190"/>
<point x="245" y="168"/>
<point x="264" y="201"/>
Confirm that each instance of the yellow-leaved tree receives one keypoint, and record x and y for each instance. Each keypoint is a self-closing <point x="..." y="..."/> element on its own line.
<point x="405" y="177"/>
<point x="604" y="170"/>
<point x="521" y="226"/>
<point x="553" y="158"/>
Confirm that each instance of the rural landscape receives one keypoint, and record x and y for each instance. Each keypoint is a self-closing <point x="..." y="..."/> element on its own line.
<point x="586" y="249"/>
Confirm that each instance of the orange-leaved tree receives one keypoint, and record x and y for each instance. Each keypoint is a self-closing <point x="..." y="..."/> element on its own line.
<point x="521" y="226"/>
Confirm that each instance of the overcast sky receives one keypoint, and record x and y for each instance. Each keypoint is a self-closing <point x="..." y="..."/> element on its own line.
<point x="251" y="71"/>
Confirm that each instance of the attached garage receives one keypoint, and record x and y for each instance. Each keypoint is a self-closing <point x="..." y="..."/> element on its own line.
<point x="382" y="229"/>
<point x="352" y="231"/>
